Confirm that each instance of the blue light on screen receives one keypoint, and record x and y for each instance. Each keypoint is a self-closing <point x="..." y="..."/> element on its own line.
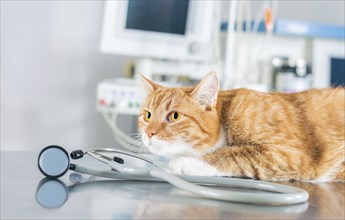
<point x="168" y="16"/>
<point x="337" y="71"/>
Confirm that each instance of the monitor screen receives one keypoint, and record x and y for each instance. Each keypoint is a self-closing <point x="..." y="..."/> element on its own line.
<point x="168" y="16"/>
<point x="337" y="71"/>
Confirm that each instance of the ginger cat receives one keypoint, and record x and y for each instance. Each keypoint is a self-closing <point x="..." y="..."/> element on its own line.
<point x="245" y="133"/>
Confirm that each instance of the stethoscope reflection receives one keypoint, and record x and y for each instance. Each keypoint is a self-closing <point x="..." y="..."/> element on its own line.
<point x="53" y="193"/>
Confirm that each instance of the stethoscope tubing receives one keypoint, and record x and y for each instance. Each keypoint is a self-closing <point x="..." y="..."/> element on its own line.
<point x="286" y="195"/>
<point x="294" y="195"/>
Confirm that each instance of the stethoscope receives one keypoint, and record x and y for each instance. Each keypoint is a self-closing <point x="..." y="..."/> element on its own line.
<point x="53" y="162"/>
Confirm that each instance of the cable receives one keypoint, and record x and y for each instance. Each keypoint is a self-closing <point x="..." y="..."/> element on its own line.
<point x="124" y="140"/>
<point x="249" y="75"/>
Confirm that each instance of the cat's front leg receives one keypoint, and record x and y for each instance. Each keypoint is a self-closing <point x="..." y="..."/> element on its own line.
<point x="266" y="163"/>
<point x="193" y="166"/>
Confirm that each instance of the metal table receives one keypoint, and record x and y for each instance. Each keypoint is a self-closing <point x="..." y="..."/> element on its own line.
<point x="25" y="194"/>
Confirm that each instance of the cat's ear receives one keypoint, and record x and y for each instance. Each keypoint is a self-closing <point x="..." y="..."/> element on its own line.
<point x="148" y="85"/>
<point x="206" y="92"/>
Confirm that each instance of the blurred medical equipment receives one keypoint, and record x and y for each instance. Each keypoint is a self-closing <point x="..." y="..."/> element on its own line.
<point x="53" y="162"/>
<point x="328" y="63"/>
<point x="247" y="76"/>
<point x="120" y="97"/>
<point x="123" y="96"/>
<point x="167" y="37"/>
<point x="291" y="75"/>
<point x="250" y="50"/>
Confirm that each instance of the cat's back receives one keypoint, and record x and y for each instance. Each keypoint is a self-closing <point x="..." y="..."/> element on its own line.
<point x="317" y="113"/>
<point x="326" y="103"/>
<point x="324" y="111"/>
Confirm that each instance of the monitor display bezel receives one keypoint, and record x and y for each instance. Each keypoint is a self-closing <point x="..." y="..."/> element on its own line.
<point x="117" y="39"/>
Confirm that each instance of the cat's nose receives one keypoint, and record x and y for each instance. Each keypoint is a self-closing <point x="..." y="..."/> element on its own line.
<point x="150" y="133"/>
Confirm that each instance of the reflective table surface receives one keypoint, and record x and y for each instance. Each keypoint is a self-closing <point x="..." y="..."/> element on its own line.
<point x="26" y="194"/>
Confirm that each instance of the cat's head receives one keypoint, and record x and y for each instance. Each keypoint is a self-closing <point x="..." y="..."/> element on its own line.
<point x="181" y="121"/>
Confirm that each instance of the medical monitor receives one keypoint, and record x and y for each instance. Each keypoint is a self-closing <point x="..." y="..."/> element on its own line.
<point x="171" y="29"/>
<point x="328" y="63"/>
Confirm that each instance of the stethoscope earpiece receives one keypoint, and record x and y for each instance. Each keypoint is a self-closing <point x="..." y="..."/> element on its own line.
<point x="53" y="161"/>
<point x="77" y="154"/>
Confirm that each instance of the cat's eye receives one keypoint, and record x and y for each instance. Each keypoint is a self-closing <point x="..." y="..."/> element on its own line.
<point x="173" y="117"/>
<point x="147" y="116"/>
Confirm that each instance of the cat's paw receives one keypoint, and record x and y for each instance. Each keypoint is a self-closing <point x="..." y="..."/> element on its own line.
<point x="183" y="165"/>
<point x="192" y="166"/>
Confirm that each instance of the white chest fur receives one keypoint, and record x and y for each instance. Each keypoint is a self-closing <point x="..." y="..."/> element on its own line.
<point x="193" y="166"/>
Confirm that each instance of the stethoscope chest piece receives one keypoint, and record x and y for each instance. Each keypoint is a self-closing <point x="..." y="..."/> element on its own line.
<point x="53" y="161"/>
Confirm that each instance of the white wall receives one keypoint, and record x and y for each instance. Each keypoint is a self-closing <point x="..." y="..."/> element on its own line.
<point x="50" y="66"/>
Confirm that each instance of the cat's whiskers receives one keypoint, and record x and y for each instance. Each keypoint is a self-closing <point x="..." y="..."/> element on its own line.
<point x="134" y="144"/>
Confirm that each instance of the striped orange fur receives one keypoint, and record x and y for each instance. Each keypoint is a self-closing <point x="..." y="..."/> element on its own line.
<point x="245" y="133"/>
